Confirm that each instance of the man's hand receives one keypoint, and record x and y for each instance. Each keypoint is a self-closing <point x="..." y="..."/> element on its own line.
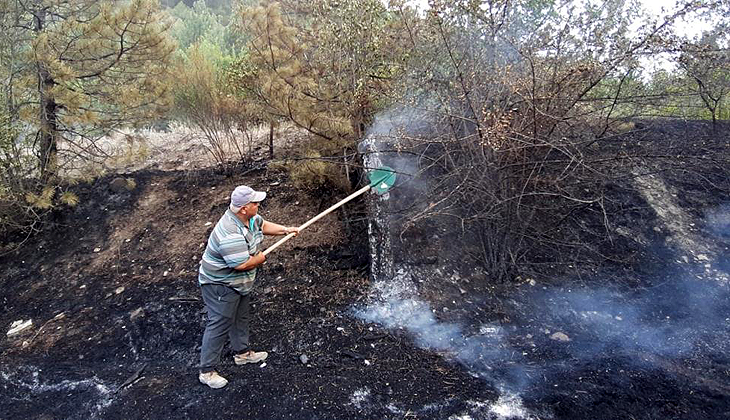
<point x="291" y="229"/>
<point x="258" y="259"/>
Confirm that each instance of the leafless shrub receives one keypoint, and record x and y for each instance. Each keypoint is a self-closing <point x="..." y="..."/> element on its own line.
<point x="525" y="109"/>
<point x="203" y="100"/>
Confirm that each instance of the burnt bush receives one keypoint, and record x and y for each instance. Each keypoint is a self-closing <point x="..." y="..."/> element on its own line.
<point x="531" y="130"/>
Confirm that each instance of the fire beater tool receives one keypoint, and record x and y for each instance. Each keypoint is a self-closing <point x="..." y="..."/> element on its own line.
<point x="381" y="180"/>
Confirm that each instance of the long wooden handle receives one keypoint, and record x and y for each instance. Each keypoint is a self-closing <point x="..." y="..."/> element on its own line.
<point x="317" y="217"/>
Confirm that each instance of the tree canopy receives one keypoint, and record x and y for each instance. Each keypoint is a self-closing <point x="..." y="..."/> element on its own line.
<point x="78" y="69"/>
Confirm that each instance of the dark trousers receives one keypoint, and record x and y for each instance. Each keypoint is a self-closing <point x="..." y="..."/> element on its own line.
<point x="228" y="317"/>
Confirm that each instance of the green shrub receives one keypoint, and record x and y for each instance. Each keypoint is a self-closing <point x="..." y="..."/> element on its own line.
<point x="313" y="172"/>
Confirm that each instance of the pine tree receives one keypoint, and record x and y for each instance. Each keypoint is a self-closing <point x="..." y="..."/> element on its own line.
<point x="325" y="64"/>
<point x="84" y="69"/>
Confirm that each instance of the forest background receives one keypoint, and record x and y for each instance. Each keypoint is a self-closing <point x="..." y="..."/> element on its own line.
<point x="513" y="106"/>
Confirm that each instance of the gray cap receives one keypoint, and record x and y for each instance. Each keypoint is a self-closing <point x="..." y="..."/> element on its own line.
<point x="243" y="195"/>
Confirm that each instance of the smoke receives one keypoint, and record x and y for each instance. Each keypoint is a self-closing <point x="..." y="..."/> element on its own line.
<point x="542" y="334"/>
<point x="386" y="141"/>
<point x="670" y="320"/>
<point x="675" y="319"/>
<point x="718" y="221"/>
<point x="486" y="353"/>
<point x="681" y="313"/>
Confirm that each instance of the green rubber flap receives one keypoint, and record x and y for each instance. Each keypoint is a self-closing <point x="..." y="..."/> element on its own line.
<point x="382" y="179"/>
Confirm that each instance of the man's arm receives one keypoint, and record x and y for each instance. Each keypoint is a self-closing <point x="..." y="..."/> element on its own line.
<point x="252" y="262"/>
<point x="270" y="228"/>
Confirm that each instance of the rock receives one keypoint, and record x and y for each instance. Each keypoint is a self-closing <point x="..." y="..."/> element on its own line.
<point x="119" y="290"/>
<point x="132" y="379"/>
<point x="97" y="249"/>
<point x="139" y="312"/>
<point x="352" y="354"/>
<point x="558" y="336"/>
<point x="304" y="359"/>
<point x="19" y="326"/>
<point x="118" y="185"/>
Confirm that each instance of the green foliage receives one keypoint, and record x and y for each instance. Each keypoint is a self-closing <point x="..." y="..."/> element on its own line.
<point x="73" y="71"/>
<point x="22" y="199"/>
<point x="14" y="164"/>
<point x="201" y="25"/>
<point x="706" y="66"/>
<point x="327" y="66"/>
<point x="207" y="58"/>
<point x="11" y="160"/>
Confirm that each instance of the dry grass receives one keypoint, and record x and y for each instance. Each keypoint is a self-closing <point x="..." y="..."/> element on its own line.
<point x="178" y="148"/>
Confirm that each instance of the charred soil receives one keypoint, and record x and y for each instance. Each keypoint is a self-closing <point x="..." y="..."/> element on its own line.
<point x="111" y="289"/>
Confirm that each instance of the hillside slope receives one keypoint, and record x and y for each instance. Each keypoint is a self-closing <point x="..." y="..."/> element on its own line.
<point x="117" y="317"/>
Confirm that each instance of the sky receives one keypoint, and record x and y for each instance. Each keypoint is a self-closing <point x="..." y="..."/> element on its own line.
<point x="691" y="27"/>
<point x="654" y="7"/>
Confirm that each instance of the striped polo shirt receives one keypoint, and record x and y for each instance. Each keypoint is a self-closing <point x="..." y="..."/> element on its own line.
<point x="231" y="244"/>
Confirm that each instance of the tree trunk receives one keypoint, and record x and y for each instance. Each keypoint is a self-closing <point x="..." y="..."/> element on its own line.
<point x="48" y="141"/>
<point x="48" y="133"/>
<point x="271" y="140"/>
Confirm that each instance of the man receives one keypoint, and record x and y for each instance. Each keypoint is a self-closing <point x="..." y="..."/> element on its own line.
<point x="226" y="277"/>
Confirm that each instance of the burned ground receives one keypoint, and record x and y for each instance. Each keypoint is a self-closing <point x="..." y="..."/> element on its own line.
<point x="121" y="268"/>
<point x="117" y="315"/>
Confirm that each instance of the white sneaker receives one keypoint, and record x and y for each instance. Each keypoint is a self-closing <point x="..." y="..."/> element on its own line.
<point x="250" y="357"/>
<point x="213" y="380"/>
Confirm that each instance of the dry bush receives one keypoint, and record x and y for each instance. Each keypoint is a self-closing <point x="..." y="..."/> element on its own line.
<point x="312" y="173"/>
<point x="522" y="109"/>
<point x="204" y="100"/>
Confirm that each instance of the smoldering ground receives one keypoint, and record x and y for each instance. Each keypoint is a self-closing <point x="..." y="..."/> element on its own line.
<point x="679" y="313"/>
<point x="557" y="332"/>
